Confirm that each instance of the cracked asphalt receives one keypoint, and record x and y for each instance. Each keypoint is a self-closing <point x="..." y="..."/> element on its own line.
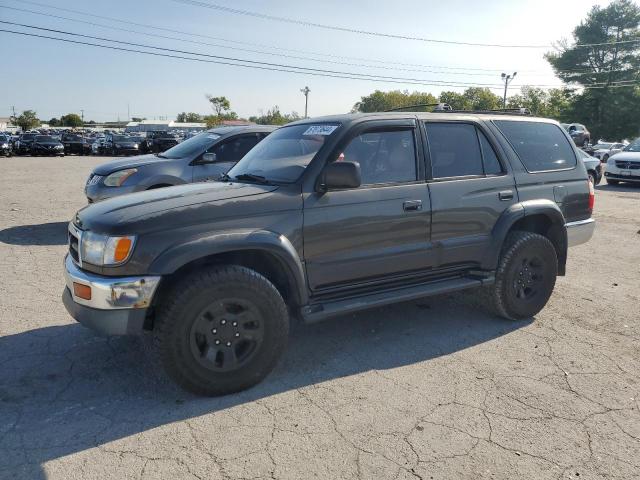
<point x="434" y="389"/>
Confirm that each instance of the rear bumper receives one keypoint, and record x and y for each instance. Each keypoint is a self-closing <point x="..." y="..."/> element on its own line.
<point x="116" y="306"/>
<point x="580" y="232"/>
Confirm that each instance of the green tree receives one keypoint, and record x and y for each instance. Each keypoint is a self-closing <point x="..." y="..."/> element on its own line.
<point x="604" y="59"/>
<point x="481" y="99"/>
<point x="27" y="120"/>
<point x="219" y="104"/>
<point x="138" y="119"/>
<point x="555" y="103"/>
<point x="190" y="117"/>
<point x="380" y="101"/>
<point x="71" y="120"/>
<point x="54" y="122"/>
<point x="455" y="100"/>
<point x="275" y="117"/>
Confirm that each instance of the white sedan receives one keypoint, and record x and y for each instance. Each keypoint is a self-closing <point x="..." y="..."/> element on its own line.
<point x="624" y="166"/>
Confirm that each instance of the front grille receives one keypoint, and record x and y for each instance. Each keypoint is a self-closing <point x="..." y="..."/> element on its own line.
<point x="74" y="244"/>
<point x="93" y="179"/>
<point x="628" y="165"/>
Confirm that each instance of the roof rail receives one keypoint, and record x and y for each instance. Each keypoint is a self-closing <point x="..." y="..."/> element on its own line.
<point x="496" y="111"/>
<point x="439" y="107"/>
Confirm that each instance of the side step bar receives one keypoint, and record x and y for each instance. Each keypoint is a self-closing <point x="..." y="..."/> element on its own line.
<point x="320" y="311"/>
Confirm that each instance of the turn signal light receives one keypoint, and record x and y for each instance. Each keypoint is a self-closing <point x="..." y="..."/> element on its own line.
<point x="121" y="252"/>
<point x="82" y="291"/>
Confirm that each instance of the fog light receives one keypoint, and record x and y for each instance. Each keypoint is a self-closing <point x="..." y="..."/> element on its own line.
<point x="82" y="291"/>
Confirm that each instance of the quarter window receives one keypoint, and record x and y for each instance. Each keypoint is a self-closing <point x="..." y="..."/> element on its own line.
<point x="489" y="158"/>
<point x="542" y="147"/>
<point x="384" y="156"/>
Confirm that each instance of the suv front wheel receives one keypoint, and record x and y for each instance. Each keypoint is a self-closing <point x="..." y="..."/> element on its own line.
<point x="525" y="277"/>
<point x="221" y="330"/>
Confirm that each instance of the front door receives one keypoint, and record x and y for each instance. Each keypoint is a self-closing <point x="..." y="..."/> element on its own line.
<point x="470" y="188"/>
<point x="380" y="229"/>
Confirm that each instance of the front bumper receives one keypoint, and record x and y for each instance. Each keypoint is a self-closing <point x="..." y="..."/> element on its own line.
<point x="116" y="306"/>
<point x="618" y="175"/>
<point x="580" y="232"/>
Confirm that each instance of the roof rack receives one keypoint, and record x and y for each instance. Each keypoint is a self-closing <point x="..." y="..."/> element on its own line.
<point x="497" y="111"/>
<point x="439" y="107"/>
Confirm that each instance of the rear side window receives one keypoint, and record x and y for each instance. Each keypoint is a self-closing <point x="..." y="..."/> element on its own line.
<point x="542" y="147"/>
<point x="460" y="150"/>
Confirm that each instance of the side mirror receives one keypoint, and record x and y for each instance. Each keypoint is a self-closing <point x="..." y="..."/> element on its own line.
<point x="208" y="157"/>
<point x="340" y="175"/>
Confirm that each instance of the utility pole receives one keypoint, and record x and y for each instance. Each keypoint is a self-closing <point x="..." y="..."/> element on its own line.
<point x="13" y="119"/>
<point x="305" y="91"/>
<point x="507" y="80"/>
<point x="82" y="112"/>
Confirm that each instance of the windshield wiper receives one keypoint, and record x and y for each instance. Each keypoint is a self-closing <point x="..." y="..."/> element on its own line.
<point x="253" y="178"/>
<point x="224" y="177"/>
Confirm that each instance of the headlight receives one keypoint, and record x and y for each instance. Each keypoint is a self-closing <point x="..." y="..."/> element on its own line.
<point x="610" y="161"/>
<point x="135" y="145"/>
<point x="5" y="145"/>
<point x="116" y="179"/>
<point x="104" y="250"/>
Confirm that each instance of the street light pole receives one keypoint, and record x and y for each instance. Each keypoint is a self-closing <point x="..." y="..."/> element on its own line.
<point x="507" y="80"/>
<point x="305" y="91"/>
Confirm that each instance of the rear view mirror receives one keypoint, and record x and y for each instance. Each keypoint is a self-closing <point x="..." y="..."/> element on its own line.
<point x="341" y="175"/>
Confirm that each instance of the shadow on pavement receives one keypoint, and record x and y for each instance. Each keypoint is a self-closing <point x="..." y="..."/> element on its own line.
<point x="54" y="233"/>
<point x="64" y="390"/>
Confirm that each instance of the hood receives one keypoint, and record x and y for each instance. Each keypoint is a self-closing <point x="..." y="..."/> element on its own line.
<point x="173" y="206"/>
<point x="130" y="162"/>
<point x="627" y="156"/>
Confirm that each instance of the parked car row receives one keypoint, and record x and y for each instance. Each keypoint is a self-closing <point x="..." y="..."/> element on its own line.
<point x="83" y="143"/>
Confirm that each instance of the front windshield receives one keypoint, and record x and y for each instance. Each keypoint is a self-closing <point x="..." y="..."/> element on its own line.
<point x="120" y="138"/>
<point x="28" y="136"/>
<point x="633" y="146"/>
<point x="44" y="138"/>
<point x="603" y="146"/>
<point x="192" y="146"/>
<point x="284" y="154"/>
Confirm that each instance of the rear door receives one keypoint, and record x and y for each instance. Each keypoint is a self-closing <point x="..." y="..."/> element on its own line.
<point x="381" y="229"/>
<point x="228" y="152"/>
<point x="470" y="186"/>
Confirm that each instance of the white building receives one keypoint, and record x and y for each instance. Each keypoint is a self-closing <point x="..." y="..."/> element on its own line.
<point x="159" y="126"/>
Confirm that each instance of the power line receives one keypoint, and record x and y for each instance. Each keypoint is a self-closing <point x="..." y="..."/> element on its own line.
<point x="255" y="62"/>
<point x="307" y="23"/>
<point x="232" y="61"/>
<point x="467" y="71"/>
<point x="328" y="55"/>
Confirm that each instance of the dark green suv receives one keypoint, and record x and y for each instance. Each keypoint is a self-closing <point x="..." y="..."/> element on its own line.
<point x="324" y="217"/>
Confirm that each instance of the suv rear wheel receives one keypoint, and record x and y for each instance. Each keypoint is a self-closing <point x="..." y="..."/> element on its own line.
<point x="525" y="277"/>
<point x="221" y="330"/>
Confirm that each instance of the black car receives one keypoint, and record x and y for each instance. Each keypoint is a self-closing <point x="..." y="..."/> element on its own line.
<point x="115" y="144"/>
<point x="6" y="148"/>
<point x="158" y="142"/>
<point x="325" y="217"/>
<point x="74" y="143"/>
<point x="24" y="143"/>
<point x="47" y="145"/>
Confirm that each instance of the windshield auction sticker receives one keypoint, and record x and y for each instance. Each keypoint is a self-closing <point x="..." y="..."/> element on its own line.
<point x="320" y="130"/>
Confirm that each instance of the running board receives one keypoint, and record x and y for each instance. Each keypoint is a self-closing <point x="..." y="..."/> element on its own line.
<point x="320" y="311"/>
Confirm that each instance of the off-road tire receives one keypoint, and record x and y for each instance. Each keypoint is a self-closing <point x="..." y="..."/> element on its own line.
<point x="181" y="308"/>
<point x="518" y="247"/>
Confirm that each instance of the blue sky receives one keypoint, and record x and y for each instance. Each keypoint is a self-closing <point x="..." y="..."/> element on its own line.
<point x="54" y="78"/>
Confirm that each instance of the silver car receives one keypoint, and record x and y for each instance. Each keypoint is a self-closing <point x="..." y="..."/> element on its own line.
<point x="203" y="157"/>
<point x="604" y="150"/>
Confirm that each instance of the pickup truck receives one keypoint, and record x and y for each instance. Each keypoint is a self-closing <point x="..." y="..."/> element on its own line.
<point x="325" y="217"/>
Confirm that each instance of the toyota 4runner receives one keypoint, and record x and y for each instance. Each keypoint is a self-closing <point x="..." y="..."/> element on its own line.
<point x="328" y="216"/>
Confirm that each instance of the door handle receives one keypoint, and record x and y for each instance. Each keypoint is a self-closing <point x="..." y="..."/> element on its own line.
<point x="506" y="195"/>
<point x="412" y="205"/>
